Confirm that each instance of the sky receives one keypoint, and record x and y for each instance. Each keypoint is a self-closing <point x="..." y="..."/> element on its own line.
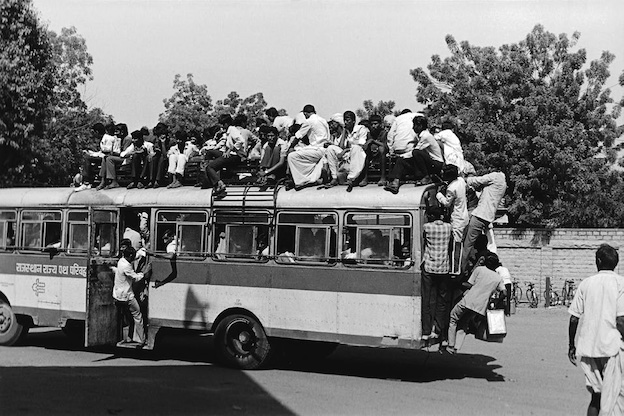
<point x="332" y="54"/>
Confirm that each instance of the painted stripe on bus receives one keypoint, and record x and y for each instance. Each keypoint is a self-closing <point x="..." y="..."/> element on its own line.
<point x="271" y="275"/>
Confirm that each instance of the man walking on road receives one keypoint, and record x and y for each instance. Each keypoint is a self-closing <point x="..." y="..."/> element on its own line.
<point x="600" y="301"/>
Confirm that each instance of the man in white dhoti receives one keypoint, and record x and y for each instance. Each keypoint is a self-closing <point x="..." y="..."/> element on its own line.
<point x="354" y="137"/>
<point x="451" y="146"/>
<point x="599" y="300"/>
<point x="306" y="163"/>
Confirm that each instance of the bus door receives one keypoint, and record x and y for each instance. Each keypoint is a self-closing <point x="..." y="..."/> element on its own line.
<point x="101" y="325"/>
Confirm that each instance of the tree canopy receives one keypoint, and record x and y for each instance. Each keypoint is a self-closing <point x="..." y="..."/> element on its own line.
<point x="535" y="111"/>
<point x="383" y="108"/>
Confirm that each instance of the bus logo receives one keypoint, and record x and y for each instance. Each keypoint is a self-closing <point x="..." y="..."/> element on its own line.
<point x="38" y="287"/>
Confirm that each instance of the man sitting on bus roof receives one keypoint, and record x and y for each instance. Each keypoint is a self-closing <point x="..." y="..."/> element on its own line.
<point x="272" y="159"/>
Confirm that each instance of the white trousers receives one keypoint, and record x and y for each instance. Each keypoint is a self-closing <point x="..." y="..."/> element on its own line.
<point x="177" y="163"/>
<point x="306" y="164"/>
<point x="355" y="165"/>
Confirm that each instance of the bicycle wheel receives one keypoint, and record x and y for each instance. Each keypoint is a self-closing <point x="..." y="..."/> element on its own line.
<point x="529" y="298"/>
<point x="564" y="296"/>
<point x="533" y="297"/>
<point x="518" y="295"/>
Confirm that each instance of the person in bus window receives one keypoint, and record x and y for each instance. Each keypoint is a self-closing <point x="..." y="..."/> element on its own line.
<point x="172" y="249"/>
<point x="123" y="294"/>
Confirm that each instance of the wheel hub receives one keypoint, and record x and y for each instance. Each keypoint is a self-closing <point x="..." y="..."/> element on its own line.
<point x="5" y="321"/>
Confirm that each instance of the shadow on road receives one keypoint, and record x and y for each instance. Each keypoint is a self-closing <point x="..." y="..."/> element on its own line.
<point x="133" y="390"/>
<point x="419" y="366"/>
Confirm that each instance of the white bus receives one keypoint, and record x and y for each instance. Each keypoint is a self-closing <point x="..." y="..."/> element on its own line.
<point x="253" y="267"/>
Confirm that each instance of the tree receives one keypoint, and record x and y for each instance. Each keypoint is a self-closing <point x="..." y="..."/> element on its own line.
<point x="26" y="87"/>
<point x="383" y="108"/>
<point x="531" y="110"/>
<point x="189" y="107"/>
<point x="59" y="153"/>
<point x="252" y="106"/>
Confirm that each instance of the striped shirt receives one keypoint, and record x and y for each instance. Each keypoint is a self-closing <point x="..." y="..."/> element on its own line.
<point x="437" y="236"/>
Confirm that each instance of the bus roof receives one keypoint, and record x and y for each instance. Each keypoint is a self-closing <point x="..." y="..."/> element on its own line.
<point x="370" y="196"/>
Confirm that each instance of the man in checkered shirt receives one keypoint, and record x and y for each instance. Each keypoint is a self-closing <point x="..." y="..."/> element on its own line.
<point x="436" y="281"/>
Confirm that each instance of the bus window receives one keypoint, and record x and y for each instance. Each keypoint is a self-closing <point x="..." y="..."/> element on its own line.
<point x="187" y="227"/>
<point x="306" y="237"/>
<point x="379" y="240"/>
<point x="7" y="229"/>
<point x="77" y="232"/>
<point x="105" y="240"/>
<point x="239" y="236"/>
<point x="41" y="229"/>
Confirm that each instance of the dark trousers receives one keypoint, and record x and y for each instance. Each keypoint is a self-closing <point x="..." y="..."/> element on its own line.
<point x="87" y="171"/>
<point x="424" y="165"/>
<point x="475" y="228"/>
<point x="402" y="166"/>
<point x="109" y="164"/>
<point x="436" y="302"/>
<point x="218" y="164"/>
<point x="139" y="167"/>
<point x="157" y="167"/>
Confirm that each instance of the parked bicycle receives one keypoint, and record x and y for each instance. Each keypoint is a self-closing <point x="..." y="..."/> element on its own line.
<point x="516" y="292"/>
<point x="554" y="296"/>
<point x="531" y="295"/>
<point x="567" y="293"/>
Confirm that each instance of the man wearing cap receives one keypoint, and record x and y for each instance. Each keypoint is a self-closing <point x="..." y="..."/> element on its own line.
<point x="306" y="163"/>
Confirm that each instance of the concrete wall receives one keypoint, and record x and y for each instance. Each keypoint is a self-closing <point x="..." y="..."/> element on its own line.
<point x="531" y="255"/>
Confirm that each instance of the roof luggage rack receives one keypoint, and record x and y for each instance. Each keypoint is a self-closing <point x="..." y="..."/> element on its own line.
<point x="246" y="196"/>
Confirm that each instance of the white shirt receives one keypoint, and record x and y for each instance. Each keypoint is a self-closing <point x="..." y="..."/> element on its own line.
<point x="493" y="187"/>
<point x="456" y="197"/>
<point x="427" y="142"/>
<point x="110" y="144"/>
<point x="401" y="137"/>
<point x="300" y="118"/>
<point x="357" y="137"/>
<point x="599" y="299"/>
<point x="453" y="152"/>
<point x="282" y="123"/>
<point x="130" y="149"/>
<point x="124" y="275"/>
<point x="317" y="130"/>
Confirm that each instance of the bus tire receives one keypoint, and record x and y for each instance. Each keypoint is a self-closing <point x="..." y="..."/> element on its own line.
<point x="11" y="331"/>
<point x="242" y="343"/>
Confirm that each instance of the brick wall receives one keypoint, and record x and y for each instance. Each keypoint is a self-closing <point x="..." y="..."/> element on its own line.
<point x="531" y="255"/>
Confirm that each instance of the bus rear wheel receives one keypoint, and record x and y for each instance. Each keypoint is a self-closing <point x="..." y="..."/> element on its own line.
<point x="242" y="343"/>
<point x="11" y="331"/>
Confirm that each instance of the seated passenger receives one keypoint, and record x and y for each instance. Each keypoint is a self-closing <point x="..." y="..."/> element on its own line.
<point x="273" y="160"/>
<point x="306" y="164"/>
<point x="376" y="148"/>
<point x="235" y="152"/>
<point x="354" y="138"/>
<point x="179" y="153"/>
<point x="110" y="147"/>
<point x="139" y="153"/>
<point x="159" y="160"/>
<point x="281" y="123"/>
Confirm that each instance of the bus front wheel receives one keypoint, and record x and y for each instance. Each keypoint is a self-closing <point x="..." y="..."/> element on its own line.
<point x="241" y="342"/>
<point x="10" y="329"/>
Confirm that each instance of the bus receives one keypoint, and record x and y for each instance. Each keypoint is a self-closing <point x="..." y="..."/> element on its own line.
<point x="252" y="268"/>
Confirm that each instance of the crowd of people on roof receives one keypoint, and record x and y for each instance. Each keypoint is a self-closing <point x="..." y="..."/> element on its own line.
<point x="305" y="151"/>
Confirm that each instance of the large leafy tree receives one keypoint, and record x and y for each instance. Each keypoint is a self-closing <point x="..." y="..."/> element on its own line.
<point x="535" y="111"/>
<point x="382" y="108"/>
<point x="26" y="87"/>
<point x="59" y="153"/>
<point x="190" y="106"/>
<point x="252" y="106"/>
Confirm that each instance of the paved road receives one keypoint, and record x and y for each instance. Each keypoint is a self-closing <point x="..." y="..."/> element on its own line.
<point x="527" y="375"/>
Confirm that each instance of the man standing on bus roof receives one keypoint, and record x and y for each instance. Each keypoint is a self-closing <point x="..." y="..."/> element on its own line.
<point x="123" y="294"/>
<point x="599" y="300"/>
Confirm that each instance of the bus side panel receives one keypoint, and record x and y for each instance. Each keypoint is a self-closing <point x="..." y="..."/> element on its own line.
<point x="7" y="276"/>
<point x="182" y="303"/>
<point x="48" y="290"/>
